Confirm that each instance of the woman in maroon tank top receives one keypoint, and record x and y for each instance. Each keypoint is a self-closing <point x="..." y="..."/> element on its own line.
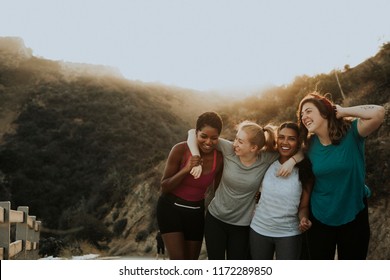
<point x="180" y="208"/>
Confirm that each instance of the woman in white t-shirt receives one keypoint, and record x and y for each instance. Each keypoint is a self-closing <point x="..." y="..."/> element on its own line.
<point x="282" y="213"/>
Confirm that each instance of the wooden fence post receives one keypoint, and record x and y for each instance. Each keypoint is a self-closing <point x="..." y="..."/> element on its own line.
<point x="30" y="237"/>
<point x="26" y="236"/>
<point x="22" y="231"/>
<point x="37" y="235"/>
<point x="5" y="229"/>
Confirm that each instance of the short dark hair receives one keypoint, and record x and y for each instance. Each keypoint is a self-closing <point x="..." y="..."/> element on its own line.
<point x="212" y="119"/>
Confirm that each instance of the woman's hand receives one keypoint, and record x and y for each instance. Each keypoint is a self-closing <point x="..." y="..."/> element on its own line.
<point x="304" y="224"/>
<point x="195" y="166"/>
<point x="196" y="171"/>
<point x="338" y="110"/>
<point x="286" y="168"/>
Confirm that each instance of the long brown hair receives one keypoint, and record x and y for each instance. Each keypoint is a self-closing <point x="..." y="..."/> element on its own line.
<point x="337" y="127"/>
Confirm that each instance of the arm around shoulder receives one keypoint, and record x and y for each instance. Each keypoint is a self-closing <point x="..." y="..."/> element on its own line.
<point x="173" y="173"/>
<point x="192" y="143"/>
<point x="288" y="166"/>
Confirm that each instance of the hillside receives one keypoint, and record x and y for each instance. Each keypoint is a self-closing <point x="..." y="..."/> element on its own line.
<point x="369" y="82"/>
<point x="74" y="137"/>
<point x="85" y="148"/>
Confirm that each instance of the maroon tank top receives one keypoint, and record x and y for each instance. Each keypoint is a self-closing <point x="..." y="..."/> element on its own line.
<point x="194" y="189"/>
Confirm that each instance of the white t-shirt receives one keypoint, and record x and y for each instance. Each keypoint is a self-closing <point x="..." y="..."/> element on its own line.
<point x="276" y="214"/>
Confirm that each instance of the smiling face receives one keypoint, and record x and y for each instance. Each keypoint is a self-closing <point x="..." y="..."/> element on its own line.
<point x="312" y="118"/>
<point x="242" y="145"/>
<point x="287" y="142"/>
<point x="207" y="138"/>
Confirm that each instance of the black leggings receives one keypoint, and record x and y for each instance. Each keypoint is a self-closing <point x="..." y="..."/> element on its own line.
<point x="226" y="241"/>
<point x="351" y="239"/>
<point x="265" y="247"/>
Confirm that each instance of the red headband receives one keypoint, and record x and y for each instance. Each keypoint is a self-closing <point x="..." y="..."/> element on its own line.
<point x="327" y="104"/>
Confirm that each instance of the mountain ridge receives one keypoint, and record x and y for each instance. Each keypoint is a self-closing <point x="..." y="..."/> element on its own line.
<point x="86" y="149"/>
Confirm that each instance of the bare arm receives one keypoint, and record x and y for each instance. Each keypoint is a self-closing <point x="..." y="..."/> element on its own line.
<point x="173" y="175"/>
<point x="288" y="166"/>
<point x="370" y="117"/>
<point x="304" y="210"/>
<point x="192" y="143"/>
<point x="196" y="171"/>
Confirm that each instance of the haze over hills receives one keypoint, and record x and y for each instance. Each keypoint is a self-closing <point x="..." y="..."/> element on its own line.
<point x="84" y="147"/>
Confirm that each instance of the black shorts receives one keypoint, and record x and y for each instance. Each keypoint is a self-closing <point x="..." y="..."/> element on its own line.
<point x="177" y="215"/>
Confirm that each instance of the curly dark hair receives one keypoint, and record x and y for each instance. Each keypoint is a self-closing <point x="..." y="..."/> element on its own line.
<point x="212" y="119"/>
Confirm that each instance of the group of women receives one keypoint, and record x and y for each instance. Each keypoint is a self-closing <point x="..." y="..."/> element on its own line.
<point x="271" y="187"/>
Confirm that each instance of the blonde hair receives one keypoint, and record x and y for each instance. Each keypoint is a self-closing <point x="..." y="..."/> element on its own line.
<point x="257" y="135"/>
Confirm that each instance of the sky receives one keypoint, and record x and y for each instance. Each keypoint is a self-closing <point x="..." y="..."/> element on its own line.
<point x="202" y="44"/>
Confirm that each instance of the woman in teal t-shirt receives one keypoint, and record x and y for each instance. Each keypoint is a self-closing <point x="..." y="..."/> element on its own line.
<point x="335" y="146"/>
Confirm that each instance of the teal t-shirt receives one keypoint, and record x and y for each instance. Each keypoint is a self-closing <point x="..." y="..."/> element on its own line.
<point x="339" y="171"/>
